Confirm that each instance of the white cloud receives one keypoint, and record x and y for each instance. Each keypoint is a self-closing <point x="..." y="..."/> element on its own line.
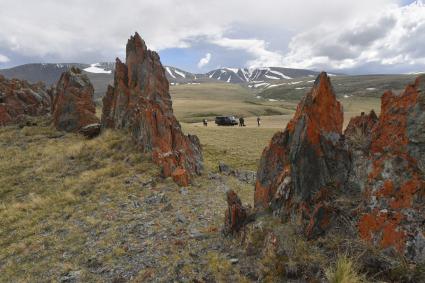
<point x="325" y="34"/>
<point x="255" y="47"/>
<point x="394" y="36"/>
<point x="204" y="61"/>
<point x="4" y="59"/>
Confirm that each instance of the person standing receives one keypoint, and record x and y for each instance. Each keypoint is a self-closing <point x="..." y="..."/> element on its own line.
<point x="258" y="121"/>
<point x="241" y="122"/>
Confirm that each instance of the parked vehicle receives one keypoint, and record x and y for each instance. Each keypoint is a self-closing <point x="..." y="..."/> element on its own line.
<point x="226" y="121"/>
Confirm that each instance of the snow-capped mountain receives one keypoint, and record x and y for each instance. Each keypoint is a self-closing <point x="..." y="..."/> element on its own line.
<point x="101" y="74"/>
<point x="178" y="75"/>
<point x="257" y="75"/>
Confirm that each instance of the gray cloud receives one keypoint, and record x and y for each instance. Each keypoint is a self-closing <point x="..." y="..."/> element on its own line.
<point x="364" y="35"/>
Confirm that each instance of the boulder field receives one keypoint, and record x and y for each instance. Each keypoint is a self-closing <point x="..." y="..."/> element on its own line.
<point x="140" y="101"/>
<point x="380" y="158"/>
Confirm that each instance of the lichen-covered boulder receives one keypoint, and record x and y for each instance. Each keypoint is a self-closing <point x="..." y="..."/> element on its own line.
<point x="19" y="98"/>
<point x="303" y="165"/>
<point x="140" y="102"/>
<point x="73" y="105"/>
<point x="358" y="136"/>
<point x="394" y="214"/>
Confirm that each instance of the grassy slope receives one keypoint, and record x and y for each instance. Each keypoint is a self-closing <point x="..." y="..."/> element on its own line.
<point x="69" y="206"/>
<point x="364" y="86"/>
<point x="192" y="103"/>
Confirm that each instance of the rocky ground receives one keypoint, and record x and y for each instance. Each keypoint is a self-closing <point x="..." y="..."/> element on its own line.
<point x="77" y="210"/>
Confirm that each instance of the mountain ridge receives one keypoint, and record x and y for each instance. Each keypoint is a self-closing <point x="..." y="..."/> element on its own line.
<point x="49" y="73"/>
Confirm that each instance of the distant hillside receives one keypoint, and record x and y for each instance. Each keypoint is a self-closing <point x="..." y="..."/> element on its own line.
<point x="273" y="83"/>
<point x="47" y="73"/>
<point x="345" y="86"/>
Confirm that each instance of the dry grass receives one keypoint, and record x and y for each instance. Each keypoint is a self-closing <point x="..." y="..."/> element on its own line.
<point x="344" y="271"/>
<point x="235" y="146"/>
<point x="193" y="103"/>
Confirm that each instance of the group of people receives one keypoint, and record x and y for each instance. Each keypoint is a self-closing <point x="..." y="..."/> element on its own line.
<point x="241" y="122"/>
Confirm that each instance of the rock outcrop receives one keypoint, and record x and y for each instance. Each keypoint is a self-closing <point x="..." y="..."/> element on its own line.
<point x="358" y="136"/>
<point x="73" y="105"/>
<point x="236" y="215"/>
<point x="19" y="99"/>
<point x="303" y="165"/>
<point x="394" y="215"/>
<point x="140" y="102"/>
<point x="379" y="159"/>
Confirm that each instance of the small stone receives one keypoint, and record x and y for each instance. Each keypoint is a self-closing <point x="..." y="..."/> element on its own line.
<point x="181" y="218"/>
<point x="224" y="168"/>
<point x="234" y="260"/>
<point x="70" y="277"/>
<point x="194" y="233"/>
<point x="90" y="131"/>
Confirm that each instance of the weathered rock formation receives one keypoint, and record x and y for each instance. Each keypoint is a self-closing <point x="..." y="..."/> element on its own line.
<point x="394" y="215"/>
<point x="73" y="105"/>
<point x="381" y="159"/>
<point x="140" y="102"/>
<point x="303" y="165"/>
<point x="19" y="98"/>
<point x="358" y="135"/>
<point x="236" y="215"/>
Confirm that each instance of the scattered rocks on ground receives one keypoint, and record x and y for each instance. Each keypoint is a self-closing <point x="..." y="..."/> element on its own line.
<point x="245" y="176"/>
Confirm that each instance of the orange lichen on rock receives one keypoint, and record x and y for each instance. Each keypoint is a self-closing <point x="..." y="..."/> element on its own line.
<point x="304" y="159"/>
<point x="181" y="177"/>
<point x="73" y="104"/>
<point x="395" y="181"/>
<point x="391" y="131"/>
<point x="19" y="98"/>
<point x="383" y="229"/>
<point x="382" y="159"/>
<point x="140" y="102"/>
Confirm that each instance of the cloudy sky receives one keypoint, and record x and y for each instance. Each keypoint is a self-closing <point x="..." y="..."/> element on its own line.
<point x="362" y="36"/>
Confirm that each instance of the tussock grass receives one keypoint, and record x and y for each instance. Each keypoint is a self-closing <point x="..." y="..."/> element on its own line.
<point x="344" y="271"/>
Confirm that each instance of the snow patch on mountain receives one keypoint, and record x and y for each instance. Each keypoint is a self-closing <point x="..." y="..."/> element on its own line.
<point x="94" y="68"/>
